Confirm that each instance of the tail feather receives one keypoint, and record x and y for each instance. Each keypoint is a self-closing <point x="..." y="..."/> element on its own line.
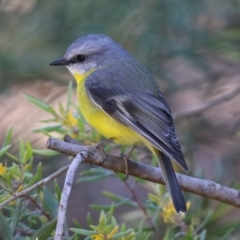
<point x="172" y="183"/>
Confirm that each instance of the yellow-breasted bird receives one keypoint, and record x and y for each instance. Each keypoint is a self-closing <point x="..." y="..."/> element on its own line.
<point x="122" y="100"/>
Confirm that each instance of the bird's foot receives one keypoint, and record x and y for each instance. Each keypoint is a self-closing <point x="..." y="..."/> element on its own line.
<point x="101" y="144"/>
<point x="125" y="157"/>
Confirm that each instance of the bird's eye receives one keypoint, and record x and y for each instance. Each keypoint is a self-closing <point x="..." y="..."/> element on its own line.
<point x="81" y="57"/>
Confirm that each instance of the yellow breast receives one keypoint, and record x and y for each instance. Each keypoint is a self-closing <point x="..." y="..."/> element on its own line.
<point x="98" y="119"/>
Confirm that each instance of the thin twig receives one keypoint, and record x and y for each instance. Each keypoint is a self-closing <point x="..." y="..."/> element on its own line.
<point x="38" y="184"/>
<point x="201" y="187"/>
<point x="206" y="105"/>
<point x="142" y="208"/>
<point x="33" y="201"/>
<point x="66" y="192"/>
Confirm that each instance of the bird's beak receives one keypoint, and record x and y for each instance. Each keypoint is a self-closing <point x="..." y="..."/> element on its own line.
<point x="59" y="62"/>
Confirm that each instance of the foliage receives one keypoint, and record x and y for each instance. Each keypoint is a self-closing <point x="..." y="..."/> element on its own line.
<point x="34" y="214"/>
<point x="107" y="228"/>
<point x="33" y="33"/>
<point x="23" y="217"/>
<point x="152" y="31"/>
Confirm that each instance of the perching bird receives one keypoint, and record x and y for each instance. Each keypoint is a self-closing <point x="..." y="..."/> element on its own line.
<point x="122" y="100"/>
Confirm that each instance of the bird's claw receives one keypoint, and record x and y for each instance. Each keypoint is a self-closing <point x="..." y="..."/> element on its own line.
<point x="102" y="143"/>
<point x="125" y="158"/>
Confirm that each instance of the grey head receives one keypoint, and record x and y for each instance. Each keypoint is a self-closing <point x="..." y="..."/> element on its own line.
<point x="91" y="52"/>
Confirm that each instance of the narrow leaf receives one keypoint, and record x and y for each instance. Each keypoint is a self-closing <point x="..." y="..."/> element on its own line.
<point x="8" y="137"/>
<point x="39" y="171"/>
<point x="121" y="234"/>
<point x="5" y="228"/>
<point x="32" y="181"/>
<point x="92" y="178"/>
<point x="4" y="150"/>
<point x="45" y="232"/>
<point x="5" y="185"/>
<point x="61" y="109"/>
<point x="21" y="150"/>
<point x="50" y="203"/>
<point x="126" y="202"/>
<point x="110" y="213"/>
<point x="45" y="152"/>
<point x="16" y="216"/>
<point x="203" y="234"/>
<point x="226" y="235"/>
<point x="13" y="157"/>
<point x="53" y="128"/>
<point x="28" y="150"/>
<point x="83" y="231"/>
<point x="204" y="222"/>
<point x="39" y="103"/>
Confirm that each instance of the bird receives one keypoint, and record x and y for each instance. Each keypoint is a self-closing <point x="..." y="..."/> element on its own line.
<point x="121" y="100"/>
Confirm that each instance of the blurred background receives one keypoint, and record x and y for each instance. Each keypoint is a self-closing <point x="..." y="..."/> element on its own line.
<point x="191" y="47"/>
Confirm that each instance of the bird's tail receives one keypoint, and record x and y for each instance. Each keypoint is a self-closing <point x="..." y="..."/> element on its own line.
<point x="172" y="182"/>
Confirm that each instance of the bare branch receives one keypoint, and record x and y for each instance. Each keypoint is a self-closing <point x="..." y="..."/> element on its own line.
<point x="38" y="184"/>
<point x="66" y="192"/>
<point x="201" y="187"/>
<point x="206" y="105"/>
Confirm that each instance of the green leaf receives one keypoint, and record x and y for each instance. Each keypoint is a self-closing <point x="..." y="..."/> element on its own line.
<point x="45" y="133"/>
<point x="141" y="230"/>
<point x="49" y="120"/>
<point x="123" y="227"/>
<point x="5" y="228"/>
<point x="4" y="150"/>
<point x="61" y="109"/>
<point x="93" y="178"/>
<point x="94" y="174"/>
<point x="39" y="171"/>
<point x="34" y="220"/>
<point x="13" y="157"/>
<point x="5" y="185"/>
<point x="110" y="213"/>
<point x="45" y="152"/>
<point x="8" y="137"/>
<point x="106" y="229"/>
<point x="54" y="128"/>
<point x="76" y="223"/>
<point x="69" y="96"/>
<point x="21" y="150"/>
<point x="226" y="235"/>
<point x="204" y="222"/>
<point x="102" y="219"/>
<point x="50" y="203"/>
<point x="17" y="213"/>
<point x="81" y="126"/>
<point x="89" y="219"/>
<point x="203" y="234"/>
<point x="113" y="222"/>
<point x="118" y="198"/>
<point x="121" y="234"/>
<point x="125" y="202"/>
<point x="29" y="150"/>
<point x="39" y="103"/>
<point x="57" y="189"/>
<point x="32" y="181"/>
<point x="148" y="236"/>
<point x="45" y="232"/>
<point x="82" y="231"/>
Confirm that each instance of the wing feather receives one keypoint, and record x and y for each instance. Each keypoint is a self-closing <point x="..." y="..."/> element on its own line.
<point x="142" y="111"/>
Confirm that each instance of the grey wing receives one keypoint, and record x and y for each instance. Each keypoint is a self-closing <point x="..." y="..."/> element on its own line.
<point x="143" y="112"/>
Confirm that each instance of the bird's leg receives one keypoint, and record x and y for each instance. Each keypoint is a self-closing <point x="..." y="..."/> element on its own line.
<point x="101" y="144"/>
<point x="125" y="157"/>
